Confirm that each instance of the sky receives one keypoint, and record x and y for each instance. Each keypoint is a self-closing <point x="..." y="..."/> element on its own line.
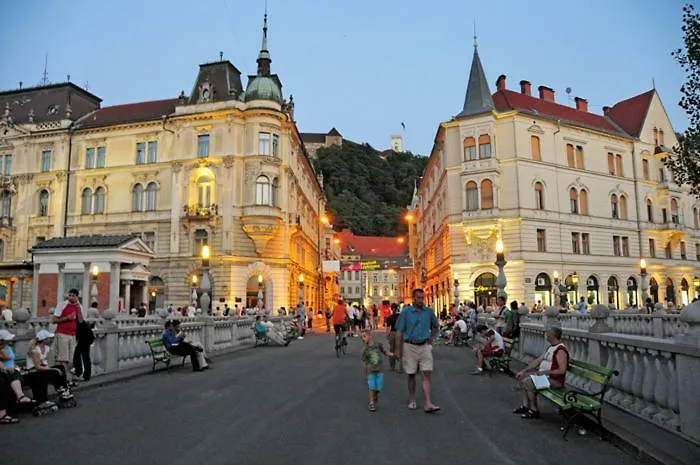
<point x="362" y="66"/>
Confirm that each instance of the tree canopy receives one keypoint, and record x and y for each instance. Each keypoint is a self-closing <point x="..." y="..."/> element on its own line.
<point x="368" y="193"/>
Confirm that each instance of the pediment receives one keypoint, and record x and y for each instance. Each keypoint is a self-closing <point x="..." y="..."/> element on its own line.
<point x="137" y="245"/>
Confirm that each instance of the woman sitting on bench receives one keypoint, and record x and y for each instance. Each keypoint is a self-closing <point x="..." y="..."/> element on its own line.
<point x="493" y="347"/>
<point x="9" y="371"/>
<point x="40" y="374"/>
<point x="267" y="329"/>
<point x="175" y="343"/>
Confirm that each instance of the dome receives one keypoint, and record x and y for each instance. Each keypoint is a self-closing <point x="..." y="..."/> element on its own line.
<point x="263" y="88"/>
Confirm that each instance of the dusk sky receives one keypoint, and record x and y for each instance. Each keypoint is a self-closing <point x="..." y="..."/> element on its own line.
<point x="363" y="66"/>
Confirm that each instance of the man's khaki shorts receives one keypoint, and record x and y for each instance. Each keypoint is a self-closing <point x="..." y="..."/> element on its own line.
<point x="417" y="358"/>
<point x="65" y="347"/>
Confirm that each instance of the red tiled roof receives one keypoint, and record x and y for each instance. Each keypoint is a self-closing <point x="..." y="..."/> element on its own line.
<point x="128" y="113"/>
<point x="371" y="246"/>
<point x="629" y="114"/>
<point x="506" y="100"/>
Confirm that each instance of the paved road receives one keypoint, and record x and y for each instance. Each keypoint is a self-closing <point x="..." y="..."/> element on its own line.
<point x="298" y="405"/>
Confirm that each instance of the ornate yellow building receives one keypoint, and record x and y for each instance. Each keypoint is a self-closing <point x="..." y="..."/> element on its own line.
<point x="224" y="166"/>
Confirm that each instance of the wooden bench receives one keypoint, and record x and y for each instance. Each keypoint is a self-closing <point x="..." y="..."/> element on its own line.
<point x="573" y="403"/>
<point x="160" y="354"/>
<point x="501" y="362"/>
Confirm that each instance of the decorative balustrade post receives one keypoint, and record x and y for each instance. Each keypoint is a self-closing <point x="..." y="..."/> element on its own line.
<point x="657" y="325"/>
<point x="688" y="367"/>
<point x="23" y="330"/>
<point x="110" y="352"/>
<point x="551" y="316"/>
<point x="600" y="314"/>
<point x="208" y="334"/>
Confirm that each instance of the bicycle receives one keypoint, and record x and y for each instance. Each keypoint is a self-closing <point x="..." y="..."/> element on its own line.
<point x="341" y="341"/>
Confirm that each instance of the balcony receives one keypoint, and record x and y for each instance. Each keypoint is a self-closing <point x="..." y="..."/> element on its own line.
<point x="261" y="223"/>
<point x="480" y="165"/>
<point x="200" y="212"/>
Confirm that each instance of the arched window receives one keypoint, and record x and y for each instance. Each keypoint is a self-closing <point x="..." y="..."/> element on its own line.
<point x="674" y="211"/>
<point x="623" y="207"/>
<point x="611" y="163"/>
<point x="661" y="137"/>
<point x="469" y="149"/>
<point x="275" y="191"/>
<point x="486" y="194"/>
<point x="262" y="190"/>
<point x="472" y="196"/>
<point x="201" y="238"/>
<point x="570" y="156"/>
<point x="656" y="136"/>
<point x="618" y="165"/>
<point x="44" y="203"/>
<point x="5" y="204"/>
<point x="205" y="186"/>
<point x="539" y="196"/>
<point x="151" y="196"/>
<point x="579" y="158"/>
<point x="573" y="200"/>
<point x="650" y="211"/>
<point x="137" y="198"/>
<point x="86" y="207"/>
<point x="583" y="200"/>
<point x="614" y="206"/>
<point x="484" y="146"/>
<point x="535" y="148"/>
<point x="99" y="200"/>
<point x="696" y="217"/>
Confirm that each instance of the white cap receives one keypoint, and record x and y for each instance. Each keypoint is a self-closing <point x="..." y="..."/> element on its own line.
<point x="43" y="335"/>
<point x="5" y="335"/>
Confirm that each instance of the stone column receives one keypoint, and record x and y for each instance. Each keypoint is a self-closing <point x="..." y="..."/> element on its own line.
<point x="60" y="296"/>
<point x="176" y="206"/>
<point x="114" y="271"/>
<point x="85" y="293"/>
<point x="127" y="295"/>
<point x="144" y="293"/>
<point x="35" y="291"/>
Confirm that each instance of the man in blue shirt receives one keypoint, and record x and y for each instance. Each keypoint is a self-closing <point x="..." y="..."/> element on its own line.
<point x="416" y="328"/>
<point x="174" y="341"/>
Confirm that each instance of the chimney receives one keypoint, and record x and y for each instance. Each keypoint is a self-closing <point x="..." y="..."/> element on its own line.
<point x="581" y="104"/>
<point x="526" y="88"/>
<point x="546" y="93"/>
<point x="606" y="109"/>
<point x="501" y="82"/>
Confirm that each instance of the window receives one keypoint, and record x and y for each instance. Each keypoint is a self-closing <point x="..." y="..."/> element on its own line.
<point x="645" y="169"/>
<point x="667" y="250"/>
<point x="375" y="293"/>
<point x="101" y="156"/>
<point x="262" y="191"/>
<point x="342" y="290"/>
<point x="149" y="238"/>
<point x="656" y="136"/>
<point x="650" y="211"/>
<point x="541" y="240"/>
<point x="38" y="240"/>
<point x="201" y="238"/>
<point x="45" y="161"/>
<point x="539" y="196"/>
<point x="573" y="200"/>
<point x="486" y="194"/>
<point x="575" y="243"/>
<point x="484" y="146"/>
<point x="99" y="200"/>
<point x="614" y="206"/>
<point x="697" y="252"/>
<point x="264" y="143"/>
<point x="583" y="201"/>
<point x="625" y="246"/>
<point x="472" y="196"/>
<point x="140" y="153"/>
<point x="204" y="190"/>
<point x="579" y="157"/>
<point x="137" y="198"/>
<point x="683" y="250"/>
<point x="44" y="203"/>
<point x="664" y="216"/>
<point x="469" y="149"/>
<point x="570" y="162"/>
<point x="151" y="196"/>
<point x="357" y="275"/>
<point x="86" y="207"/>
<point x="275" y="190"/>
<point x="153" y="152"/>
<point x="616" y="246"/>
<point x="5" y="204"/>
<point x="357" y="290"/>
<point x="661" y="137"/>
<point x="535" y="148"/>
<point x="90" y="158"/>
<point x="275" y="145"/>
<point x="203" y="145"/>
<point x="674" y="211"/>
<point x="623" y="207"/>
<point x="696" y="218"/>
<point x="611" y="163"/>
<point x="662" y="175"/>
<point x="652" y="248"/>
<point x="6" y="164"/>
<point x="2" y="249"/>
<point x="618" y="165"/>
<point x="586" y="243"/>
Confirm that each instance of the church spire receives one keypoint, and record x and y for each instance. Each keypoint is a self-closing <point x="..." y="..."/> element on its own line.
<point x="264" y="59"/>
<point x="478" y="98"/>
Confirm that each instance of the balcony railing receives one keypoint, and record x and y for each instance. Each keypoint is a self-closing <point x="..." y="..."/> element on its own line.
<point x="200" y="211"/>
<point x="5" y="221"/>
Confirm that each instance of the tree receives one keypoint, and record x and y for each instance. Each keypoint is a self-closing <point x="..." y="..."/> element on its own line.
<point x="685" y="162"/>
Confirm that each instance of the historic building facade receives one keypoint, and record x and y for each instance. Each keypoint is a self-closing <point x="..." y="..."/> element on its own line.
<point x="224" y="166"/>
<point x="577" y="199"/>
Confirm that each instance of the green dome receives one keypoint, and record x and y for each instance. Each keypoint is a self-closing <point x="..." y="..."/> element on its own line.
<point x="263" y="88"/>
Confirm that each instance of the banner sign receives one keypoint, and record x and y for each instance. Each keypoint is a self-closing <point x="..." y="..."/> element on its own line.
<point x="373" y="265"/>
<point x="331" y="266"/>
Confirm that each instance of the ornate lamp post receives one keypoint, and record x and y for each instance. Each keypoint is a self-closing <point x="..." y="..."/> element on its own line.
<point x="193" y="296"/>
<point x="261" y="303"/>
<point x="205" y="286"/>
<point x="643" y="284"/>
<point x="301" y="289"/>
<point x="500" y="263"/>
<point x="95" y="272"/>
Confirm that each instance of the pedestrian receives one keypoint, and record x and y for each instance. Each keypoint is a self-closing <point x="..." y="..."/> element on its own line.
<point x="81" y="357"/>
<point x="301" y="315"/>
<point x="66" y="317"/>
<point x="311" y="318"/>
<point x="390" y="323"/>
<point x="328" y="319"/>
<point x="375" y="317"/>
<point x="415" y="330"/>
<point x="372" y="359"/>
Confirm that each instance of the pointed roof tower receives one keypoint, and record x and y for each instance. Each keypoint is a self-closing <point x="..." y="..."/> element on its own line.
<point x="264" y="85"/>
<point x="478" y="98"/>
<point x="264" y="60"/>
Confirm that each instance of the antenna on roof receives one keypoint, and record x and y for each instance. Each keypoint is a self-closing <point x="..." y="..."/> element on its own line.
<point x="68" y="78"/>
<point x="221" y="56"/>
<point x="653" y="83"/>
<point x="45" y="77"/>
<point x="568" y="93"/>
<point x="475" y="44"/>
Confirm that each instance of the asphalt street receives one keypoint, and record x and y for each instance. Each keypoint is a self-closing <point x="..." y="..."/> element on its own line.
<point x="299" y="405"/>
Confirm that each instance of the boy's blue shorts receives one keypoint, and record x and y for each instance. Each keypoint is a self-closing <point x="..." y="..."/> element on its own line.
<point x="375" y="381"/>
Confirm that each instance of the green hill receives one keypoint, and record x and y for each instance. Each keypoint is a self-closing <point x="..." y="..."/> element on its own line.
<point x="367" y="191"/>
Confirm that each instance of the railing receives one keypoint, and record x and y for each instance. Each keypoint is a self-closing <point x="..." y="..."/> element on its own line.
<point x="199" y="211"/>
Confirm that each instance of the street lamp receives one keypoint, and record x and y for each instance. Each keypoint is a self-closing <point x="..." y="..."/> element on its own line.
<point x="93" y="291"/>
<point x="193" y="296"/>
<point x="260" y="292"/>
<point x="409" y="217"/>
<point x="644" y="284"/>
<point x="301" y="289"/>
<point x="574" y="278"/>
<point x="205" y="286"/>
<point x="500" y="263"/>
<point x="456" y="291"/>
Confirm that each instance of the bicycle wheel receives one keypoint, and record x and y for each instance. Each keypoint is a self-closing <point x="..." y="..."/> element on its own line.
<point x="343" y="347"/>
<point x="337" y="348"/>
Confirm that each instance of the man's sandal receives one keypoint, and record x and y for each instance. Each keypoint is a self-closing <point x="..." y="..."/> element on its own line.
<point x="372" y="407"/>
<point x="21" y="400"/>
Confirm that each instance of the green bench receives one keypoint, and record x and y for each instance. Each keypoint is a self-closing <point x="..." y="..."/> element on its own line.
<point x="261" y="339"/>
<point x="572" y="403"/>
<point x="160" y="354"/>
<point x="501" y="362"/>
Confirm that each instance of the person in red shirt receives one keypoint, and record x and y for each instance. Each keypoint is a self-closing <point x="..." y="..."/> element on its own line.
<point x="66" y="316"/>
<point x="339" y="316"/>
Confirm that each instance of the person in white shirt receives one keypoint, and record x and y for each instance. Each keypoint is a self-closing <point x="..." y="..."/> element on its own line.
<point x="493" y="346"/>
<point x="40" y="374"/>
<point x="459" y="329"/>
<point x="271" y="333"/>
